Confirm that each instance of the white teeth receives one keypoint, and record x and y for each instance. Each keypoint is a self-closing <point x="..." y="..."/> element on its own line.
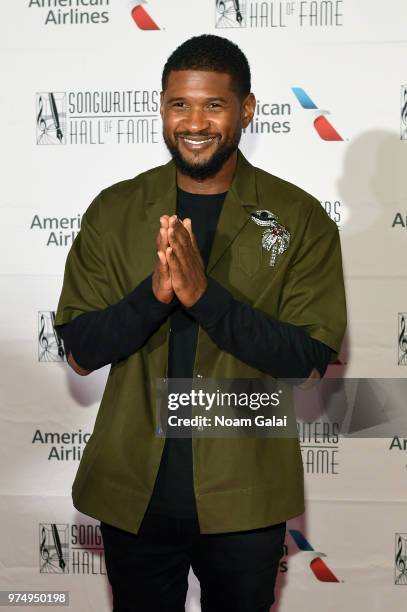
<point x="197" y="141"/>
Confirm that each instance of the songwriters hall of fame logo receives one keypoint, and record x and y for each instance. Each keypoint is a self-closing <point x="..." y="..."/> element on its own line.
<point x="54" y="548"/>
<point x="50" y="346"/>
<point x="230" y="13"/>
<point x="74" y="548"/>
<point x="129" y="116"/>
<point x="400" y="559"/>
<point x="256" y="14"/>
<point x="402" y="339"/>
<point x="51" y="118"/>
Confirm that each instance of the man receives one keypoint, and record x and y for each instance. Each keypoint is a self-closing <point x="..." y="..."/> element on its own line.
<point x="205" y="267"/>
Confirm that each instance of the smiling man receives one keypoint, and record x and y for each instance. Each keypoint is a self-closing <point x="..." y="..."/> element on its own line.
<point x="205" y="267"/>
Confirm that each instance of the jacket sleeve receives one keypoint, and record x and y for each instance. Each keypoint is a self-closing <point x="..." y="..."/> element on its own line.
<point x="94" y="330"/>
<point x="276" y="347"/>
<point x="106" y="336"/>
<point x="313" y="296"/>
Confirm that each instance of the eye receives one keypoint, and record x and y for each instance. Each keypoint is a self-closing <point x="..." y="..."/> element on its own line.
<point x="215" y="105"/>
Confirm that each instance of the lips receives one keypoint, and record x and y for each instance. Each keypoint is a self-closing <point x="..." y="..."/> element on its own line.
<point x="197" y="143"/>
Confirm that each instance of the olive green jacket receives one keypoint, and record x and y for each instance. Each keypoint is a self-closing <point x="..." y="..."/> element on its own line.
<point x="239" y="483"/>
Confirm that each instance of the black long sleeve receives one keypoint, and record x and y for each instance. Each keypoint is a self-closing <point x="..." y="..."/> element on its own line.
<point x="100" y="337"/>
<point x="284" y="350"/>
<point x="275" y="347"/>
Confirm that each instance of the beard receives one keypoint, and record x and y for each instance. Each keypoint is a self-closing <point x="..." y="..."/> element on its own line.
<point x="208" y="168"/>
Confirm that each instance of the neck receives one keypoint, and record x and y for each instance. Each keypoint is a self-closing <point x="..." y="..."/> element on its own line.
<point x="219" y="183"/>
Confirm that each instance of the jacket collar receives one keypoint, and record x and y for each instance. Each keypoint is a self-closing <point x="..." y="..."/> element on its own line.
<point x="240" y="201"/>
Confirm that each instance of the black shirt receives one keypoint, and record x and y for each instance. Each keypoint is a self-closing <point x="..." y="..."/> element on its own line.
<point x="173" y="492"/>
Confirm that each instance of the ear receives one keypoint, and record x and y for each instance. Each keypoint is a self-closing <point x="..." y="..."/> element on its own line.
<point x="248" y="108"/>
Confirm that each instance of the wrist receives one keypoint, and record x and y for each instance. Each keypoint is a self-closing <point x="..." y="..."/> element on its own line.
<point x="164" y="298"/>
<point x="146" y="301"/>
<point x="199" y="293"/>
<point x="214" y="302"/>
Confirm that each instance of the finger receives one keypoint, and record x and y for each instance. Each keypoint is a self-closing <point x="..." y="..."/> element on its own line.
<point x="164" y="221"/>
<point x="179" y="234"/>
<point x="163" y="267"/>
<point x="159" y="240"/>
<point x="176" y="242"/>
<point x="174" y="236"/>
<point x="187" y="251"/>
<point x="163" y="238"/>
<point x="188" y="224"/>
<point x="171" y="226"/>
<point x="196" y="253"/>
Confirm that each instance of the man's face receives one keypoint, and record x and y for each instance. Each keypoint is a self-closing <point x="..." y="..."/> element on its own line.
<point x="203" y="118"/>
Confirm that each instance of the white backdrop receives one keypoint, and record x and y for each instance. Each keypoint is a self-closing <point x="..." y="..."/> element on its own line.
<point x="349" y="57"/>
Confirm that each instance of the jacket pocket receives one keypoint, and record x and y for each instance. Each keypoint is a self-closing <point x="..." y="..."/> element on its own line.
<point x="249" y="258"/>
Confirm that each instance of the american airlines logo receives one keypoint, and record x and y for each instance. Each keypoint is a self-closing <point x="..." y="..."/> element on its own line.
<point x="318" y="567"/>
<point x="323" y="127"/>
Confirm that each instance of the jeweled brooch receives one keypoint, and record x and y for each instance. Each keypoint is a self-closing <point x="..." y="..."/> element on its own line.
<point x="275" y="238"/>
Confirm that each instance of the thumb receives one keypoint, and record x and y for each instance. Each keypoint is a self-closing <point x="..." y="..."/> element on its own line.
<point x="163" y="260"/>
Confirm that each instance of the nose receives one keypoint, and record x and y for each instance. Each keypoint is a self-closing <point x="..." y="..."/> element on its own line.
<point x="196" y="120"/>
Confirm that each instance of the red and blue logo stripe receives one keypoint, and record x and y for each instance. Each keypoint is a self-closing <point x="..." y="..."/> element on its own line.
<point x="324" y="128"/>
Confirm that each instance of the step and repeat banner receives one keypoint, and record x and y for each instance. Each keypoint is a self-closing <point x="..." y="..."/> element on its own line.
<point x="81" y="82"/>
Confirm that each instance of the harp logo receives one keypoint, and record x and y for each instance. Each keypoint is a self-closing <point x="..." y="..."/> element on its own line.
<point x="323" y="127"/>
<point x="142" y="18"/>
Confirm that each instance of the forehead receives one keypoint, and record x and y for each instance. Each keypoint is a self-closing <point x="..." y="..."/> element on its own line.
<point x="202" y="83"/>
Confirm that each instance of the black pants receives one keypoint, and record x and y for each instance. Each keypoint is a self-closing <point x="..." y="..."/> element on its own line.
<point x="148" y="572"/>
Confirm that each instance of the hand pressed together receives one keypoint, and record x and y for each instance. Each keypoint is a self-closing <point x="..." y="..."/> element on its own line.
<point x="162" y="285"/>
<point x="180" y="268"/>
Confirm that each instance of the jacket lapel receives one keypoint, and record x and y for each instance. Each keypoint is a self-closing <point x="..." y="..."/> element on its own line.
<point x="163" y="197"/>
<point x="240" y="201"/>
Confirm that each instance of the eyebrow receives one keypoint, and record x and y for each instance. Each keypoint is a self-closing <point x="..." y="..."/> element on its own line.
<point x="211" y="99"/>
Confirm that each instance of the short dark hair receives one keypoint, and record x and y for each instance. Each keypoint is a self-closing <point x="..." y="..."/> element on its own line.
<point x="213" y="53"/>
